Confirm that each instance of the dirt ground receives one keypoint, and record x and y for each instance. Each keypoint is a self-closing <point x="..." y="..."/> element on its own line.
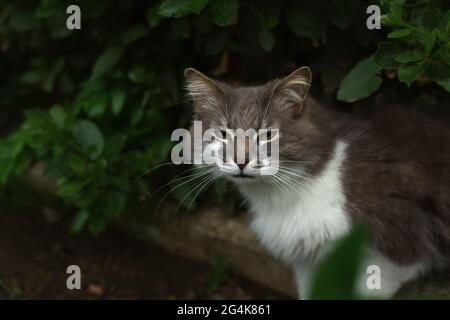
<point x="35" y="251"/>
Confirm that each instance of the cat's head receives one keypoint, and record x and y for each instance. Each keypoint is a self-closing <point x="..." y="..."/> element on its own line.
<point x="272" y="113"/>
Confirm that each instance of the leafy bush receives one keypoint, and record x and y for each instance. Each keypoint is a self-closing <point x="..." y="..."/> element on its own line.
<point x="418" y="46"/>
<point x="97" y="105"/>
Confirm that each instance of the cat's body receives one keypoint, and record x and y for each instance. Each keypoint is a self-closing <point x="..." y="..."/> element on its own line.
<point x="391" y="172"/>
<point x="406" y="202"/>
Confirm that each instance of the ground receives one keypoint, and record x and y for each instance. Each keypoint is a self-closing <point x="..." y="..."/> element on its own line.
<point x="36" y="249"/>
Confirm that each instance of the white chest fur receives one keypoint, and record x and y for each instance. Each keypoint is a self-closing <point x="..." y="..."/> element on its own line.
<point x="301" y="229"/>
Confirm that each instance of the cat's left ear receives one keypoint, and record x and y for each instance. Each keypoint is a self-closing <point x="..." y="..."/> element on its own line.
<point x="295" y="87"/>
<point x="204" y="92"/>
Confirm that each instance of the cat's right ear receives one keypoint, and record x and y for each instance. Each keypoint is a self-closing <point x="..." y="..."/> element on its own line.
<point x="204" y="92"/>
<point x="294" y="88"/>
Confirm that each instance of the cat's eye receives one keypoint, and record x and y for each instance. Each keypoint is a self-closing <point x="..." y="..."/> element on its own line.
<point x="223" y="133"/>
<point x="266" y="136"/>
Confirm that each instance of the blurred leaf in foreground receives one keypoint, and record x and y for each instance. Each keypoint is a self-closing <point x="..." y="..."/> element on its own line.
<point x="337" y="274"/>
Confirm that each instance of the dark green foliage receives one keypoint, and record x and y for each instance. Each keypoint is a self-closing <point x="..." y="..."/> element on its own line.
<point x="361" y="81"/>
<point x="4" y="293"/>
<point x="417" y="47"/>
<point x="336" y="276"/>
<point x="218" y="273"/>
<point x="97" y="105"/>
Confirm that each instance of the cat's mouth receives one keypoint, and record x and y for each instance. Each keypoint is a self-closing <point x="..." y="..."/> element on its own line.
<point x="242" y="175"/>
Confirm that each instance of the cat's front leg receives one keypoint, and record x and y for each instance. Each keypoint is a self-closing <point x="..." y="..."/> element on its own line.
<point x="381" y="278"/>
<point x="303" y="273"/>
<point x="378" y="278"/>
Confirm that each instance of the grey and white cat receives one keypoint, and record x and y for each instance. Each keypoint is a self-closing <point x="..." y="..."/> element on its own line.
<point x="391" y="172"/>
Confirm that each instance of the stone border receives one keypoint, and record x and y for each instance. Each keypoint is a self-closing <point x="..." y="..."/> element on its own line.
<point x="210" y="231"/>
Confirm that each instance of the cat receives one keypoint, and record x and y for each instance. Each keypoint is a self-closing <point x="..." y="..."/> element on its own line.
<point x="390" y="172"/>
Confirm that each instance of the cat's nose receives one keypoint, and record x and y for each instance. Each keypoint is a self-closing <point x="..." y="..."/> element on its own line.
<point x="241" y="163"/>
<point x="242" y="166"/>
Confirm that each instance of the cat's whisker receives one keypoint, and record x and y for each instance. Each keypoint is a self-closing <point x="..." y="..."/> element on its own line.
<point x="198" y="175"/>
<point x="178" y="177"/>
<point x="307" y="177"/>
<point x="289" y="184"/>
<point x="174" y="179"/>
<point x="294" y="161"/>
<point x="150" y="170"/>
<point x="298" y="174"/>
<point x="298" y="171"/>
<point x="283" y="185"/>
<point x="277" y="184"/>
<point x="200" y="186"/>
<point x="214" y="176"/>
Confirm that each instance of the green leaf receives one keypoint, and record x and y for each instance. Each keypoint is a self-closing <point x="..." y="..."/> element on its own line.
<point x="85" y="198"/>
<point x="134" y="33"/>
<point x="336" y="275"/>
<point x="79" y="221"/>
<point x="266" y="39"/>
<point x="218" y="273"/>
<point x="136" y="116"/>
<point x="58" y="116"/>
<point x="31" y="77"/>
<point x="97" y="223"/>
<point x="118" y="96"/>
<point x="409" y="56"/>
<point x="76" y="164"/>
<point x="444" y="84"/>
<point x="106" y="61"/>
<point x="96" y="106"/>
<point x="115" y="203"/>
<point x="438" y="68"/>
<point x="396" y="13"/>
<point x="67" y="188"/>
<point x="160" y="150"/>
<point x="408" y="73"/>
<point x="360" y="82"/>
<point x="89" y="137"/>
<point x="137" y="74"/>
<point x="224" y="12"/>
<point x="428" y="39"/>
<point x="400" y="33"/>
<point x="179" y="8"/>
<point x="386" y="54"/>
<point x="54" y="72"/>
<point x="153" y="18"/>
<point x="114" y="146"/>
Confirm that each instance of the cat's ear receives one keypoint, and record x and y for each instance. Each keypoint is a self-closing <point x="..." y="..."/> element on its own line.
<point x="204" y="92"/>
<point x="294" y="88"/>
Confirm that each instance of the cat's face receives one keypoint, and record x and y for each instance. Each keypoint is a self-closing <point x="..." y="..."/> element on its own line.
<point x="262" y="126"/>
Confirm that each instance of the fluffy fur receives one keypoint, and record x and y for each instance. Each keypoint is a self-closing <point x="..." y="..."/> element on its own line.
<point x="391" y="172"/>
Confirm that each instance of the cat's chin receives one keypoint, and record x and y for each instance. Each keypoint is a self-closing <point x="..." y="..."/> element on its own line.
<point x="241" y="180"/>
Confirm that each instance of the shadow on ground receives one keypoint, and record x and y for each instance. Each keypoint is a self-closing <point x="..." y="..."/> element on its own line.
<point x="35" y="250"/>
